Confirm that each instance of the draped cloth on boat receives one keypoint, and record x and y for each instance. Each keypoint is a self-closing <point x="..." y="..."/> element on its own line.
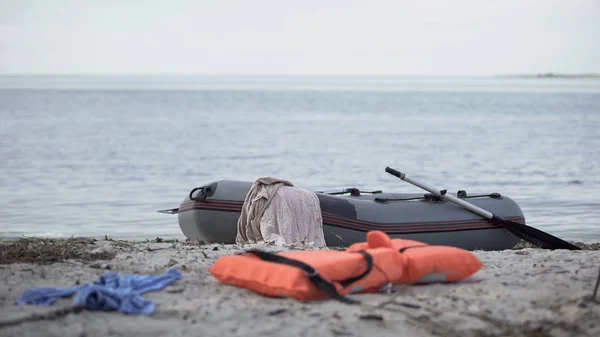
<point x="275" y="210"/>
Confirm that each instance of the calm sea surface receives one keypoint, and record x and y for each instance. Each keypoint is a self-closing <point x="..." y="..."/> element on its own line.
<point x="90" y="156"/>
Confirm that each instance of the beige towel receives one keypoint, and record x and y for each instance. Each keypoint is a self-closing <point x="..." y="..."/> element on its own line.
<point x="276" y="211"/>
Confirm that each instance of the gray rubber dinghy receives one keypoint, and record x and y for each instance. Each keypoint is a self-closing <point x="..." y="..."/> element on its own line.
<point x="210" y="213"/>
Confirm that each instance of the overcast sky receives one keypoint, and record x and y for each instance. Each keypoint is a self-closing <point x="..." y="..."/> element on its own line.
<point x="444" y="37"/>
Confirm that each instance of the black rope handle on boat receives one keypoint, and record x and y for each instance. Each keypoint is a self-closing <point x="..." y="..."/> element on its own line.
<point x="201" y="195"/>
<point x="433" y="197"/>
<point x="355" y="192"/>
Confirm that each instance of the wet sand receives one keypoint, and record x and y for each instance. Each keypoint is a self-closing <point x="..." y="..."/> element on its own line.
<point x="519" y="292"/>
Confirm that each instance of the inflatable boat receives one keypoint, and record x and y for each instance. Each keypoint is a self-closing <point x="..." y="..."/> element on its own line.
<point x="210" y="213"/>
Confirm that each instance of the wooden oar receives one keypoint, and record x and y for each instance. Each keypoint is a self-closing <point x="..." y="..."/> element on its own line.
<point x="533" y="235"/>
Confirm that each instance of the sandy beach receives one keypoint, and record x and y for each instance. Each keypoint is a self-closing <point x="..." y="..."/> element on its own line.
<point x="519" y="292"/>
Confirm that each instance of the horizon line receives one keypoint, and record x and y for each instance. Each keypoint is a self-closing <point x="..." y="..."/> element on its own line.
<point x="499" y="75"/>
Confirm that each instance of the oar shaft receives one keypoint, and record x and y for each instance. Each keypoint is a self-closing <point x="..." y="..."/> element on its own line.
<point x="523" y="231"/>
<point x="482" y="212"/>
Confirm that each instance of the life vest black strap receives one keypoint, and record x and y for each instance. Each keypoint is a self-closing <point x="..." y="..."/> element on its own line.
<point x="401" y="250"/>
<point x="328" y="288"/>
<point x="369" y="260"/>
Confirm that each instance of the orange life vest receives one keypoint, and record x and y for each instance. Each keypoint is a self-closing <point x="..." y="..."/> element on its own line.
<point x="425" y="263"/>
<point x="310" y="275"/>
<point x="362" y="267"/>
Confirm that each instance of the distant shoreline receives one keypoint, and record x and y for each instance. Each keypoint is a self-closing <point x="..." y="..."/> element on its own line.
<point x="551" y="75"/>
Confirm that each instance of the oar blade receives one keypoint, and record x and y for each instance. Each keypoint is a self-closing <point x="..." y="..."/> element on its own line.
<point x="535" y="236"/>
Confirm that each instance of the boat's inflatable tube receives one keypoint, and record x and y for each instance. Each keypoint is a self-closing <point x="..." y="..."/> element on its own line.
<point x="210" y="213"/>
<point x="319" y="274"/>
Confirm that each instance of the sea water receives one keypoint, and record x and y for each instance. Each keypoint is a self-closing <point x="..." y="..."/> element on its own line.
<point x="95" y="156"/>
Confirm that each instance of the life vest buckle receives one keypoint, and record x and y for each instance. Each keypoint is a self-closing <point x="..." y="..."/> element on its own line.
<point x="311" y="274"/>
